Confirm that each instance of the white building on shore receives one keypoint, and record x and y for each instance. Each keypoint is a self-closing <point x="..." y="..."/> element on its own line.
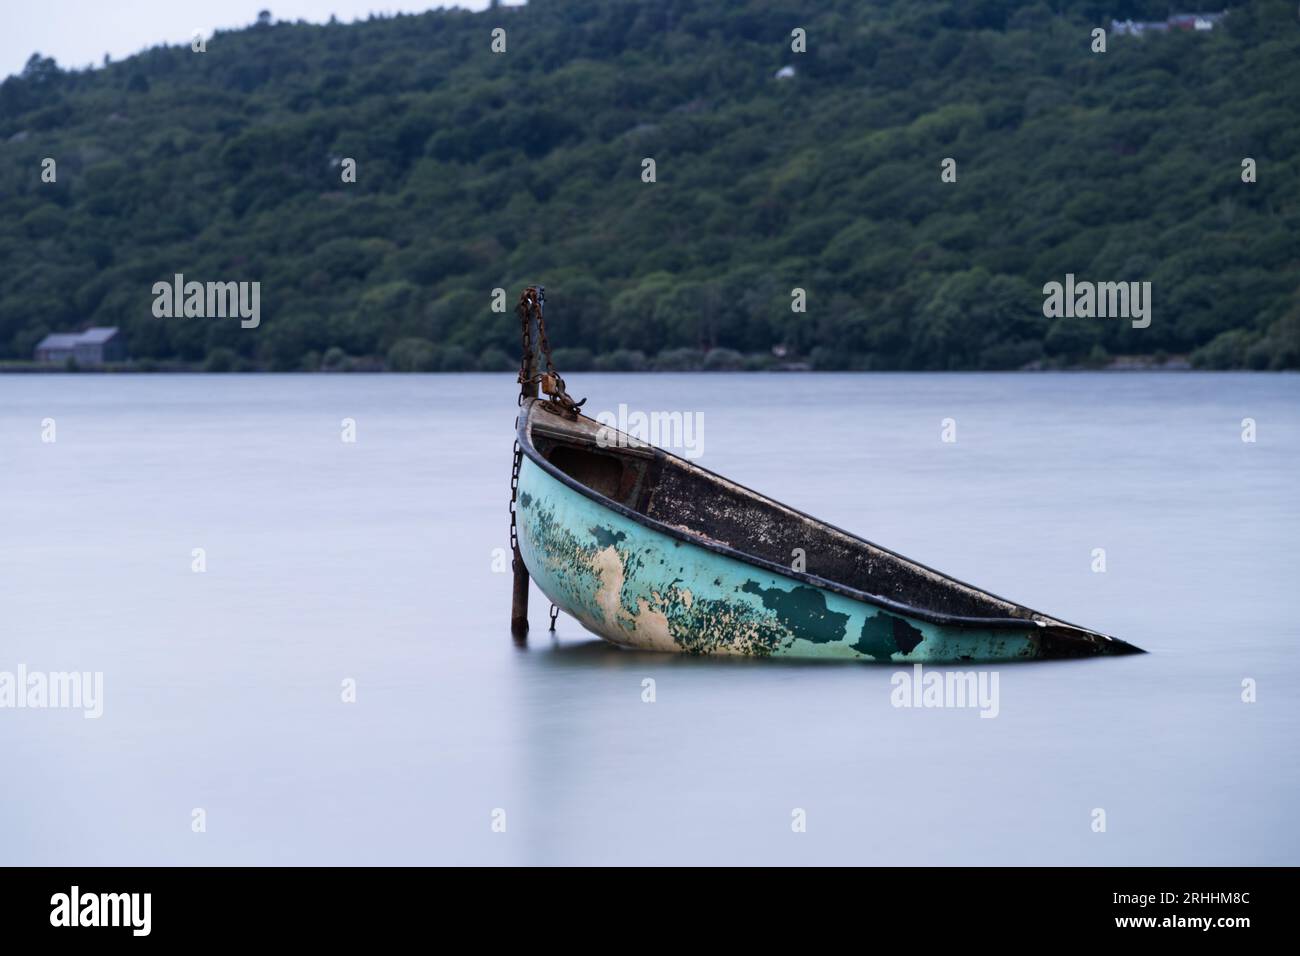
<point x="95" y="346"/>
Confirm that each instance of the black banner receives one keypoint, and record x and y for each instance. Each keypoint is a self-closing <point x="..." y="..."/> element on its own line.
<point x="332" y="905"/>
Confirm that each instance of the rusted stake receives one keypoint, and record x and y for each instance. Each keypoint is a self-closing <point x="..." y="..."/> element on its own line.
<point x="527" y="389"/>
<point x="519" y="606"/>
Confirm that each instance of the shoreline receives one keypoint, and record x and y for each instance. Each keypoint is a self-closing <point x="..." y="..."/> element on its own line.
<point x="1118" y="368"/>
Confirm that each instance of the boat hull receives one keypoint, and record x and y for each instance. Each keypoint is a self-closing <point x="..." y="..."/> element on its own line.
<point x="638" y="587"/>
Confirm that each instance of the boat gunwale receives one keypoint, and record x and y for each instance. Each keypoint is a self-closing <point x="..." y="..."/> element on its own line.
<point x="524" y="436"/>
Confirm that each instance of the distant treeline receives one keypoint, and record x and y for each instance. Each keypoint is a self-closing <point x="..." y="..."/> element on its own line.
<point x="477" y="171"/>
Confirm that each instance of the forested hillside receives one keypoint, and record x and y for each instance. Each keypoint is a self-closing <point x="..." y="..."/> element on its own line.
<point x="477" y="170"/>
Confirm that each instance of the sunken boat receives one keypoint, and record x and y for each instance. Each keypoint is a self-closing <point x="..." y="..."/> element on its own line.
<point x="648" y="550"/>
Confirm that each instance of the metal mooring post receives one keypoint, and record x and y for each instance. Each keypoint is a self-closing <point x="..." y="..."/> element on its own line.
<point x="527" y="390"/>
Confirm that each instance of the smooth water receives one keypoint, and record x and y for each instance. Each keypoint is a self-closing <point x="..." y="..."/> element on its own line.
<point x="373" y="561"/>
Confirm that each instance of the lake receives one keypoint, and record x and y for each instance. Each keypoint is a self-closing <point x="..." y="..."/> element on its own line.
<point x="365" y="569"/>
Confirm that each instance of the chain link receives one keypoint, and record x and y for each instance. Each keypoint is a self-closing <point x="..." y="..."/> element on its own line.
<point x="531" y="309"/>
<point x="514" y="494"/>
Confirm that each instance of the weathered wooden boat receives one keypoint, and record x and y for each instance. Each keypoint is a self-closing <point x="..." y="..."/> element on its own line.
<point x="651" y="551"/>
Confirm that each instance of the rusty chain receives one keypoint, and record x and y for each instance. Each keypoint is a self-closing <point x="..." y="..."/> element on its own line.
<point x="530" y="310"/>
<point x="514" y="494"/>
<point x="527" y="302"/>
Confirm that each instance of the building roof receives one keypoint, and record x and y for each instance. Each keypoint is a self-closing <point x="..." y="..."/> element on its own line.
<point x="59" y="340"/>
<point x="68" y="340"/>
<point x="97" y="335"/>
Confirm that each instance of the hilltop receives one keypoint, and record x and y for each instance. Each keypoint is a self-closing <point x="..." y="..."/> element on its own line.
<point x="478" y="170"/>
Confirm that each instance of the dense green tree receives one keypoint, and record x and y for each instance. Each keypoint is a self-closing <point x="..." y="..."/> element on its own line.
<point x="476" y="171"/>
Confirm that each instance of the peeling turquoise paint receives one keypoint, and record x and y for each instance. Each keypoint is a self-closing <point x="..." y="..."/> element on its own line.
<point x="637" y="587"/>
<point x="802" y="611"/>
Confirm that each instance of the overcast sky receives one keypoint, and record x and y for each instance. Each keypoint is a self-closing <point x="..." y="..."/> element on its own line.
<point x="79" y="32"/>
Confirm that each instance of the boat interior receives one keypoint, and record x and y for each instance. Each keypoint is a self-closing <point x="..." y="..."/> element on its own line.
<point x="673" y="492"/>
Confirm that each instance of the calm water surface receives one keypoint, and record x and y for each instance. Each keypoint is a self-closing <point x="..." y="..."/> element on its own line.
<point x="373" y="561"/>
